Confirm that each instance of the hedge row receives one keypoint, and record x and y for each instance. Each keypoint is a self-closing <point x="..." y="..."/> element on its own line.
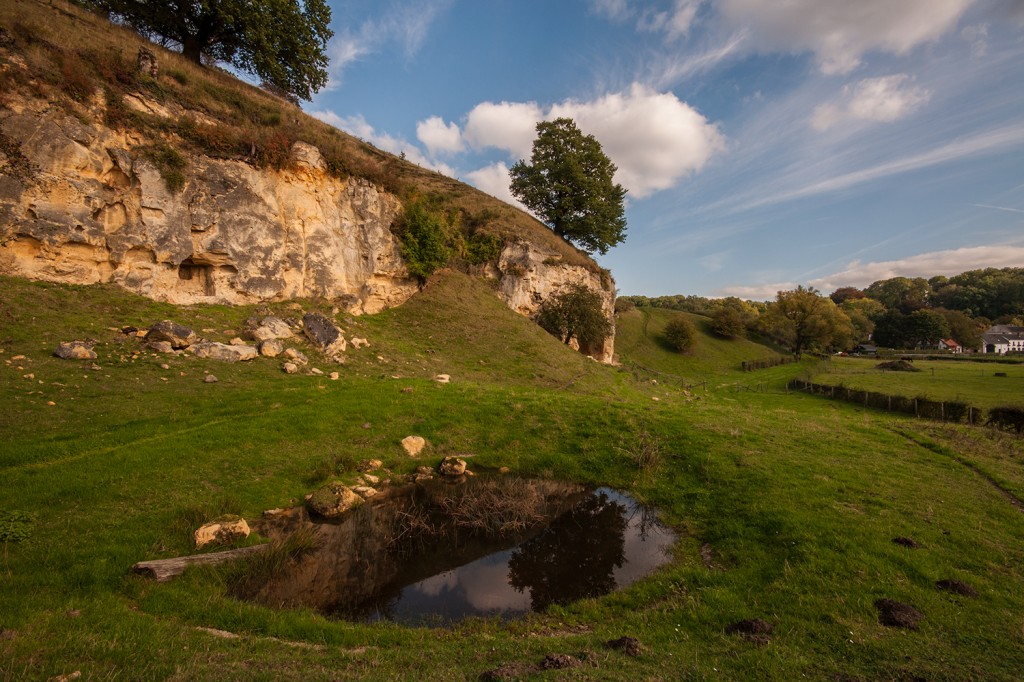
<point x="1010" y="418"/>
<point x="751" y="365"/>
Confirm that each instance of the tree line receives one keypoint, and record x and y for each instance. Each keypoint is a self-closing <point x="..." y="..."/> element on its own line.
<point x="899" y="312"/>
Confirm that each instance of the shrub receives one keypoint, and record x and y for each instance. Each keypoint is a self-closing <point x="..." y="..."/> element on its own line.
<point x="1007" y="417"/>
<point x="424" y="234"/>
<point x="576" y="313"/>
<point x="482" y="248"/>
<point x="680" y="334"/>
<point x="624" y="305"/>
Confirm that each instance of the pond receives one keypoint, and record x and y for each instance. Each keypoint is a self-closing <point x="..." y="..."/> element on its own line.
<point x="436" y="552"/>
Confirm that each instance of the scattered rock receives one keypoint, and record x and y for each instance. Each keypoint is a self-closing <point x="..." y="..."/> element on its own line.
<point x="443" y="378"/>
<point x="214" y="350"/>
<point x="413" y="445"/>
<point x="179" y="336"/>
<point x="238" y="341"/>
<point x="296" y="356"/>
<point x="272" y="328"/>
<point x="628" y="645"/>
<point x="210" y="379"/>
<point x="333" y="499"/>
<point x="894" y="614"/>
<point x="77" y="675"/>
<point x="334" y="376"/>
<point x="165" y="366"/>
<point x="906" y="542"/>
<point x="222" y="531"/>
<point x="358" y="343"/>
<point x="753" y="630"/>
<point x="316" y="372"/>
<point x="559" y="662"/>
<point x="956" y="587"/>
<point x="364" y="491"/>
<point x="407" y="389"/>
<point x="270" y="348"/>
<point x="452" y="466"/>
<point x="289" y="368"/>
<point x="370" y="478"/>
<point x="146" y="63"/>
<point x="75" y="350"/>
<point x="323" y="333"/>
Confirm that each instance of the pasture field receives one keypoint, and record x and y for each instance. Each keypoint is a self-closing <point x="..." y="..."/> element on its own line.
<point x="787" y="505"/>
<point x="982" y="384"/>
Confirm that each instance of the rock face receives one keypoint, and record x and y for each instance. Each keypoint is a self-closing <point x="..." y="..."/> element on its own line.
<point x="530" y="276"/>
<point x="98" y="210"/>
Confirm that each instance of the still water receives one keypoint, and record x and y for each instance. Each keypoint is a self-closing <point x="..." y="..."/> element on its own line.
<point x="491" y="546"/>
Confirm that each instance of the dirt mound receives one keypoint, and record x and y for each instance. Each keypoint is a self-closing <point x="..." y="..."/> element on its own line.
<point x="896" y="614"/>
<point x="897" y="366"/>
<point x="753" y="629"/>
<point x="906" y="542"/>
<point x="956" y="587"/>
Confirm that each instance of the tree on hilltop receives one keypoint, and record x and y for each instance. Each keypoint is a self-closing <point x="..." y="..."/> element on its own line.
<point x="281" y="41"/>
<point x="569" y="185"/>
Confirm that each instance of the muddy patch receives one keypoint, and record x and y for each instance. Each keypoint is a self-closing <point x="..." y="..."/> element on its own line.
<point x="894" y="614"/>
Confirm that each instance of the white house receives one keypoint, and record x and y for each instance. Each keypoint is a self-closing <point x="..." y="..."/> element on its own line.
<point x="1002" y="339"/>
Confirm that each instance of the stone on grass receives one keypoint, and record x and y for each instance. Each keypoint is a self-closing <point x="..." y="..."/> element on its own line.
<point x="364" y="491"/>
<point x="222" y="531"/>
<point x="289" y="368"/>
<point x="452" y="466"/>
<point x="296" y="356"/>
<point x="333" y="499"/>
<point x="323" y="333"/>
<point x="210" y="379"/>
<point x="443" y="378"/>
<point x="413" y="445"/>
<point x="272" y="328"/>
<point x="335" y="376"/>
<point x="214" y="350"/>
<point x="358" y="342"/>
<point x="75" y="350"/>
<point x="270" y="348"/>
<point x="161" y="346"/>
<point x="179" y="336"/>
<point x="316" y="372"/>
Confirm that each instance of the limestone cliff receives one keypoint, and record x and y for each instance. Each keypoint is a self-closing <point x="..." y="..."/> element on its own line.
<point x="95" y="209"/>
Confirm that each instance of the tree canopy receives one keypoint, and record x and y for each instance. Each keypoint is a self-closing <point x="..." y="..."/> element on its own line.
<point x="805" y="320"/>
<point x="569" y="185"/>
<point x="576" y="313"/>
<point x="281" y="41"/>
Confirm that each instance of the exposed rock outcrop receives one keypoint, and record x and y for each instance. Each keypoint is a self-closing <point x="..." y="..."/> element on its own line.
<point x="98" y="210"/>
<point x="531" y="275"/>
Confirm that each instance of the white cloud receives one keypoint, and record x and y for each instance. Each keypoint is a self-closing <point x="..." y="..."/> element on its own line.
<point x="950" y="262"/>
<point x="674" y="22"/>
<point x="654" y="138"/>
<point x="406" y="24"/>
<point x="884" y="99"/>
<point x="839" y="32"/>
<point x="616" y="10"/>
<point x="357" y="126"/>
<point x="507" y="125"/>
<point x="438" y="136"/>
<point x="495" y="181"/>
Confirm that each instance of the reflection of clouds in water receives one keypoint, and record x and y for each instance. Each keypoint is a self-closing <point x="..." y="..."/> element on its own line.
<point x="644" y="551"/>
<point x="483" y="584"/>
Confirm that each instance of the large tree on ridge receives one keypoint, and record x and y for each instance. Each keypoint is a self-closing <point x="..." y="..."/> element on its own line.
<point x="281" y="41"/>
<point x="569" y="185"/>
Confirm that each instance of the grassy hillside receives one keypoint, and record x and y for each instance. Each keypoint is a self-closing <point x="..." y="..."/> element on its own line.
<point x="787" y="505"/>
<point x="639" y="339"/>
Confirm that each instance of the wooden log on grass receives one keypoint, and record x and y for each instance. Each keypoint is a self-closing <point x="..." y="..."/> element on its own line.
<point x="163" y="570"/>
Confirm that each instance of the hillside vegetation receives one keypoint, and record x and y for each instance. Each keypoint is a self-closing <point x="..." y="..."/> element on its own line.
<point x="787" y="505"/>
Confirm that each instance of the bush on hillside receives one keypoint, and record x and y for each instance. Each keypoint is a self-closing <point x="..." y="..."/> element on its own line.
<point x="728" y="323"/>
<point x="426" y="232"/>
<point x="680" y="334"/>
<point x="576" y="313"/>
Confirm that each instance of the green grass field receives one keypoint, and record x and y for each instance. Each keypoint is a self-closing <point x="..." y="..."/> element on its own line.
<point x="786" y="504"/>
<point x="982" y="384"/>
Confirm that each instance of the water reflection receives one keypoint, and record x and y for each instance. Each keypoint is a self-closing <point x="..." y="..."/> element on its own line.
<point x="420" y="556"/>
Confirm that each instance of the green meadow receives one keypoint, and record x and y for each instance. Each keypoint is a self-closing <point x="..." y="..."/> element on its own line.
<point x="786" y="504"/>
<point x="981" y="384"/>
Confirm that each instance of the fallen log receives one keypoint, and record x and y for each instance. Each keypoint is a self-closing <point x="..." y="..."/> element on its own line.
<point x="163" y="570"/>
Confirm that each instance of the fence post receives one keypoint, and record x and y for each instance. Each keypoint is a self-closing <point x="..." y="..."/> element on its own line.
<point x="915" y="408"/>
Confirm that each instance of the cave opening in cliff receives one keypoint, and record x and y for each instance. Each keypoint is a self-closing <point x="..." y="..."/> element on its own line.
<point x="199" y="275"/>
<point x="436" y="552"/>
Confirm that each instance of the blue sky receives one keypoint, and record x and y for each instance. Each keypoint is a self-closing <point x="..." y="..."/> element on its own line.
<point x="763" y="143"/>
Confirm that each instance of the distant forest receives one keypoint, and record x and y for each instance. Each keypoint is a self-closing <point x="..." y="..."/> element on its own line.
<point x="900" y="312"/>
